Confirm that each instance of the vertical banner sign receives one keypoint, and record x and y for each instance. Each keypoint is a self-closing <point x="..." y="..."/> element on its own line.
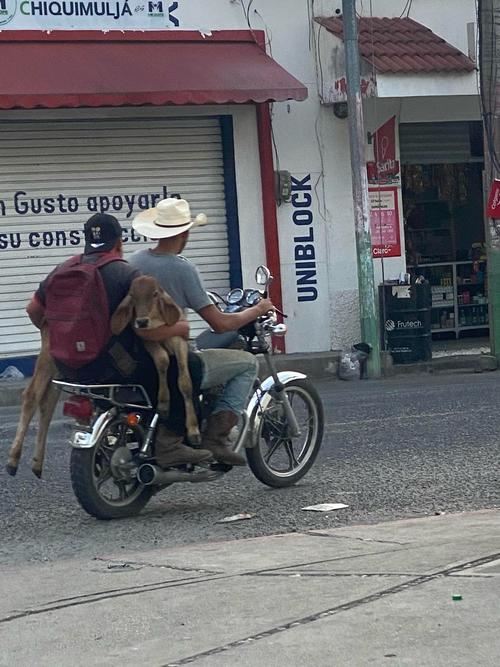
<point x="384" y="222"/>
<point x="493" y="206"/>
<point x="385" y="169"/>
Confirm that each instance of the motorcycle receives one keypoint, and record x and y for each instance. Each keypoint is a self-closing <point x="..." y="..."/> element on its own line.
<point x="113" y="469"/>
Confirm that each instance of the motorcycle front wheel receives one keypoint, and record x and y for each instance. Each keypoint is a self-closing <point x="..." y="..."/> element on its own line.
<point x="103" y="477"/>
<point x="278" y="459"/>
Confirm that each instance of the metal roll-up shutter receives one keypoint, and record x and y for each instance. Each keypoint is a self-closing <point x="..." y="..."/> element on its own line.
<point x="438" y="143"/>
<point x="62" y="168"/>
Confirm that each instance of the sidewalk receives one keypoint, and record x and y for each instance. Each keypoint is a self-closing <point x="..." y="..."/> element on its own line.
<point x="360" y="595"/>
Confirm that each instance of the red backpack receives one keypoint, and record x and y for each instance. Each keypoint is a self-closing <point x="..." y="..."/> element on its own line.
<point x="77" y="311"/>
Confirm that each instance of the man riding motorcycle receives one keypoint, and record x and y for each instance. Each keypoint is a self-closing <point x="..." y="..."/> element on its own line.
<point x="169" y="223"/>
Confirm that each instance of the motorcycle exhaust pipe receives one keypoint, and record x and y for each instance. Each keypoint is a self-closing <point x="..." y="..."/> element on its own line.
<point x="150" y="474"/>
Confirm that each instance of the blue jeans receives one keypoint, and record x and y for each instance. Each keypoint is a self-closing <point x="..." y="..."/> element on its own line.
<point x="236" y="370"/>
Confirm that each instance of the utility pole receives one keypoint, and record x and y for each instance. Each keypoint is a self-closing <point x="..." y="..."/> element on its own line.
<point x="489" y="61"/>
<point x="366" y="284"/>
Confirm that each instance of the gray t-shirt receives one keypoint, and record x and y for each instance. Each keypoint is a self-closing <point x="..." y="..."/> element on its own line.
<point x="176" y="274"/>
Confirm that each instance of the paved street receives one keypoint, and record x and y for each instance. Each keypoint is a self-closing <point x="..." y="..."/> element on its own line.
<point x="405" y="447"/>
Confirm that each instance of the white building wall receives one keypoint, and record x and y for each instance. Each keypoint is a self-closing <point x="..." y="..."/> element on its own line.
<point x="313" y="145"/>
<point x="305" y="228"/>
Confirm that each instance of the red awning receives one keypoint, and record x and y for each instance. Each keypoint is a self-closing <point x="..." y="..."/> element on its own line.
<point x="92" y="69"/>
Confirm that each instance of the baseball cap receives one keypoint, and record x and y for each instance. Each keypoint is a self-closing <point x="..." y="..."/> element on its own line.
<point x="101" y="233"/>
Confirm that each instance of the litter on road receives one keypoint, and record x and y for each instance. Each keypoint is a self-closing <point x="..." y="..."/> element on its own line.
<point x="236" y="517"/>
<point x="325" y="507"/>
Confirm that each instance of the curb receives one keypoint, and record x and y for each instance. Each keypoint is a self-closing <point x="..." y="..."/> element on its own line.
<point x="323" y="365"/>
<point x="460" y="363"/>
<point x="11" y="392"/>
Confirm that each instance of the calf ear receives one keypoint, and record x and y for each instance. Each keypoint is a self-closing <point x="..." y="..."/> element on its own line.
<point x="122" y="316"/>
<point x="169" y="310"/>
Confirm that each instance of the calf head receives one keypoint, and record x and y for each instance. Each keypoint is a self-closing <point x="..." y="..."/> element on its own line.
<point x="146" y="306"/>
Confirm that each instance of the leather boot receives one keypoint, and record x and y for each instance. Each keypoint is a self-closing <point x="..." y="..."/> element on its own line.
<point x="171" y="451"/>
<point x="215" y="436"/>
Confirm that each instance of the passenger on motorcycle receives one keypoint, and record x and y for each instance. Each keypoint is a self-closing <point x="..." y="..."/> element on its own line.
<point x="169" y="223"/>
<point x="124" y="359"/>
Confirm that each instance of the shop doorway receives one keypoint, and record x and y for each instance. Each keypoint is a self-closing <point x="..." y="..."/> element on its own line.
<point x="442" y="189"/>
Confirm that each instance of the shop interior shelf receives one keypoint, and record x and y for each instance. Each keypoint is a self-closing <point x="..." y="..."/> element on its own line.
<point x="429" y="230"/>
<point x="451" y="273"/>
<point x="471" y="305"/>
<point x="473" y="326"/>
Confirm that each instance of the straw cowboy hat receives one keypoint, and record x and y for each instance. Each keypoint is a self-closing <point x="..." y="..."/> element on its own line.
<point x="169" y="217"/>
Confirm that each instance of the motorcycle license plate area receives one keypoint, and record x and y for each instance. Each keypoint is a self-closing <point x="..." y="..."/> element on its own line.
<point x="78" y="408"/>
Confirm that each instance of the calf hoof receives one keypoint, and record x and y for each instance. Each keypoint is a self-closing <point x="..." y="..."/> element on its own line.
<point x="11" y="470"/>
<point x="36" y="471"/>
<point x="194" y="439"/>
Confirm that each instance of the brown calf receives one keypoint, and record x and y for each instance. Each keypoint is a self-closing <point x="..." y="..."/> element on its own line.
<point x="148" y="306"/>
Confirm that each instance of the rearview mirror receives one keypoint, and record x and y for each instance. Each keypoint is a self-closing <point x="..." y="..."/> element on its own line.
<point x="263" y="276"/>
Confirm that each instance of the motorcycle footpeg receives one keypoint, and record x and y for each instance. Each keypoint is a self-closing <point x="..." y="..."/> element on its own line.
<point x="221" y="467"/>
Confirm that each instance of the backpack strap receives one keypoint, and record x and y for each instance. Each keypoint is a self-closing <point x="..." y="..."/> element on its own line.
<point x="102" y="259"/>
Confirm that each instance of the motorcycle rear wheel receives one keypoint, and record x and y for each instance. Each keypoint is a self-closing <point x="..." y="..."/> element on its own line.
<point x="274" y="445"/>
<point x="94" y="480"/>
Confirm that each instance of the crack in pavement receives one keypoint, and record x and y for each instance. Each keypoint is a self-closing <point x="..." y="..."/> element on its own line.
<point x="176" y="568"/>
<point x="305" y="620"/>
<point x="101" y="596"/>
<point x="352" y="537"/>
<point x="305" y="573"/>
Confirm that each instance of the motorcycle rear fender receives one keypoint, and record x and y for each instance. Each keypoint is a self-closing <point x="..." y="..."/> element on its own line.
<point x="86" y="439"/>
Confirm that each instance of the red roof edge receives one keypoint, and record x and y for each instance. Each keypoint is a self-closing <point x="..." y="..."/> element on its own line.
<point x="391" y="42"/>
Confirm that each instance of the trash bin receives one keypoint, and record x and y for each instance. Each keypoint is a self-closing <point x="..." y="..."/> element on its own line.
<point x="406" y="321"/>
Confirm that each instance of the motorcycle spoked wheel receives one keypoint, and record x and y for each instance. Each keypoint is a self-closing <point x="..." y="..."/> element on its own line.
<point x="100" y="480"/>
<point x="277" y="459"/>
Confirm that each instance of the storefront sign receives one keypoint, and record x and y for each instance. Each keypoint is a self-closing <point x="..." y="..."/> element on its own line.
<point x="385" y="168"/>
<point x="338" y="92"/>
<point x="304" y="251"/>
<point x="24" y="204"/>
<point x="59" y="238"/>
<point x="384" y="222"/>
<point x="335" y="88"/>
<point x="89" y="14"/>
<point x="493" y="206"/>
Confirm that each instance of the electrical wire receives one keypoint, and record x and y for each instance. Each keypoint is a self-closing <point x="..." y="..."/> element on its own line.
<point x="275" y="146"/>
<point x="322" y="205"/>
<point x="269" y="34"/>
<point x="405" y="8"/>
<point x="246" y="14"/>
<point x="310" y="23"/>
<point x="488" y="101"/>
